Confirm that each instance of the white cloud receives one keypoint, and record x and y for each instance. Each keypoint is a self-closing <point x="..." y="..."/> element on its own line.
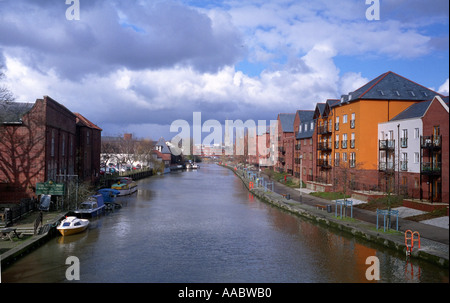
<point x="444" y="88"/>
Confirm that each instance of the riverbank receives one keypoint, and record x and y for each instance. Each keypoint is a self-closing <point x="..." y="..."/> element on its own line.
<point x="14" y="248"/>
<point x="433" y="240"/>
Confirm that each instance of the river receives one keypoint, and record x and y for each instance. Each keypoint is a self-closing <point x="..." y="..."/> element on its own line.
<point x="203" y="226"/>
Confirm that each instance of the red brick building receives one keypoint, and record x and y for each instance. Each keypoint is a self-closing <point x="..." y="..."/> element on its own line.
<point x="88" y="149"/>
<point x="434" y="147"/>
<point x="40" y="143"/>
<point x="286" y="141"/>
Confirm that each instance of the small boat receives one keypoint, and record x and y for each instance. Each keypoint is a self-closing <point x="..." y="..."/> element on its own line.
<point x="195" y="166"/>
<point x="93" y="207"/>
<point x="125" y="186"/>
<point x="72" y="225"/>
<point x="109" y="197"/>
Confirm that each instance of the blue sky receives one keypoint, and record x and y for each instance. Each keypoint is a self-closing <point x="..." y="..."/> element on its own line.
<point x="137" y="66"/>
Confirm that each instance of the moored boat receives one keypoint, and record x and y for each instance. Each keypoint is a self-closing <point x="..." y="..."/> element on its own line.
<point x="109" y="197"/>
<point x="93" y="207"/>
<point x="125" y="186"/>
<point x="72" y="225"/>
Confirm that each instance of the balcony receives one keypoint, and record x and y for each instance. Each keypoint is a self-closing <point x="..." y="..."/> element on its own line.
<point x="325" y="145"/>
<point x="432" y="142"/>
<point x="324" y="129"/>
<point x="430" y="168"/>
<point x="386" y="166"/>
<point x="404" y="142"/>
<point x="386" y="144"/>
<point x="352" y="123"/>
<point x="344" y="144"/>
<point x="324" y="163"/>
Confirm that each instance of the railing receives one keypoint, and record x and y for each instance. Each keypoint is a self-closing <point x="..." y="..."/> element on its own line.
<point x="324" y="163"/>
<point x="336" y="126"/>
<point x="326" y="145"/>
<point x="352" y="162"/>
<point x="352" y="123"/>
<point x="431" y="167"/>
<point x="403" y="165"/>
<point x="430" y="141"/>
<point x="386" y="166"/>
<point x="352" y="143"/>
<point x="386" y="144"/>
<point x="344" y="144"/>
<point x="324" y="129"/>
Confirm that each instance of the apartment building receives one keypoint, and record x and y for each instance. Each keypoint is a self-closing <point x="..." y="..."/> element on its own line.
<point x="356" y="117"/>
<point x="286" y="141"/>
<point x="304" y="149"/>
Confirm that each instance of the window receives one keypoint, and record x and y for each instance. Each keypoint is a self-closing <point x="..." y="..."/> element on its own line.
<point x="416" y="157"/>
<point x="404" y="162"/>
<point x="344" y="141"/>
<point x="300" y="129"/>
<point x="88" y="135"/>
<point x="336" y="142"/>
<point x="416" y="133"/>
<point x="63" y="145"/>
<point x="336" y="125"/>
<point x="311" y="126"/>
<point x="404" y="138"/>
<point x="352" y="140"/>
<point x="352" y="159"/>
<point x="336" y="159"/>
<point x="344" y="119"/>
<point x="52" y="149"/>
<point x="71" y="146"/>
<point x="344" y="157"/>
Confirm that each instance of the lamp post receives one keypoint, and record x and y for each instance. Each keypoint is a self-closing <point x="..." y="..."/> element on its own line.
<point x="301" y="173"/>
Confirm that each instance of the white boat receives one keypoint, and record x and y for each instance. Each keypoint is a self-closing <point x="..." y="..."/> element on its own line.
<point x="125" y="186"/>
<point x="72" y="225"/>
<point x="94" y="206"/>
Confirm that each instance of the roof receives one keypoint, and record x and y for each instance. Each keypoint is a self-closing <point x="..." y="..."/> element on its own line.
<point x="391" y="86"/>
<point x="307" y="119"/>
<point x="165" y="149"/>
<point x="416" y="110"/>
<point x="287" y="122"/>
<point x="83" y="121"/>
<point x="13" y="112"/>
<point x="305" y="115"/>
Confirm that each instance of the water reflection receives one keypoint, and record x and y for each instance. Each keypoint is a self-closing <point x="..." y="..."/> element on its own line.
<point x="203" y="226"/>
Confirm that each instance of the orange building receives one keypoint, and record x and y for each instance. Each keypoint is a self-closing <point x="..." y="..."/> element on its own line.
<point x="356" y="117"/>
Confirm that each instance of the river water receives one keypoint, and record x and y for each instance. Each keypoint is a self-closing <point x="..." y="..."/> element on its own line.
<point x="204" y="226"/>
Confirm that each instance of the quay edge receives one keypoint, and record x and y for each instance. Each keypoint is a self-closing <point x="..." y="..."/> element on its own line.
<point x="15" y="253"/>
<point x="356" y="228"/>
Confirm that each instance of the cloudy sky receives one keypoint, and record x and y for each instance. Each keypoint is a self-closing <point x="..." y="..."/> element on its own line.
<point x="137" y="66"/>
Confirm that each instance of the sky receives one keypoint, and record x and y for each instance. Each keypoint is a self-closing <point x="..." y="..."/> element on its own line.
<point x="138" y="66"/>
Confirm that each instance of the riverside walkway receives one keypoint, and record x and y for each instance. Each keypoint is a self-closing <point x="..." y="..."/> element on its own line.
<point x="434" y="240"/>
